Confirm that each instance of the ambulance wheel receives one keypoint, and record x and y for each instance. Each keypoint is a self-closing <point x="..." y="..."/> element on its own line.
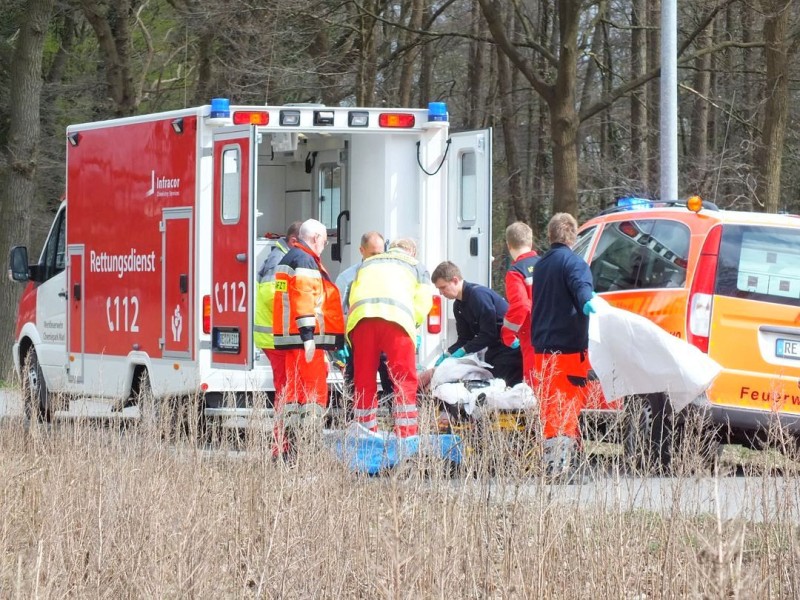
<point x="34" y="390"/>
<point x="155" y="414"/>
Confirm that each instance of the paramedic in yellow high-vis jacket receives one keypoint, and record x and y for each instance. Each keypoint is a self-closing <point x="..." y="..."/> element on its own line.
<point x="389" y="300"/>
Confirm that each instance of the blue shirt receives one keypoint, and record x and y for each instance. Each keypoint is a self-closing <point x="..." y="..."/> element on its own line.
<point x="479" y="316"/>
<point x="562" y="284"/>
<point x="343" y="282"/>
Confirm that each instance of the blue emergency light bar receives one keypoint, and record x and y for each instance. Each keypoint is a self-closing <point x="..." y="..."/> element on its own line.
<point x="437" y="111"/>
<point x="632" y="202"/>
<point x="220" y="108"/>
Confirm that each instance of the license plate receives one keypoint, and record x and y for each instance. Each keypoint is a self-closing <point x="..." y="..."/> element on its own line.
<point x="227" y="340"/>
<point x="787" y="348"/>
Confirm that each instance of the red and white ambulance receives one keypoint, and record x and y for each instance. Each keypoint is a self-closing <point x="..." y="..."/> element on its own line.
<point x="149" y="266"/>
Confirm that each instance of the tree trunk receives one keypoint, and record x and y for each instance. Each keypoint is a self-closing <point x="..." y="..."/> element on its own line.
<point x="653" y="94"/>
<point x="507" y="118"/>
<point x="475" y="73"/>
<point x="111" y="25"/>
<point x="410" y="56"/>
<point x="639" y="147"/>
<point x="776" y="107"/>
<point x="22" y="154"/>
<point x="698" y="146"/>
<point x="564" y="119"/>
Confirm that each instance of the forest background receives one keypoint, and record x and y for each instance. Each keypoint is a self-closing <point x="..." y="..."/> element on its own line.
<point x="570" y="87"/>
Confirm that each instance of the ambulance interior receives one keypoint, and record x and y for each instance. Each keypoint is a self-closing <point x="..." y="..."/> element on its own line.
<point x="353" y="183"/>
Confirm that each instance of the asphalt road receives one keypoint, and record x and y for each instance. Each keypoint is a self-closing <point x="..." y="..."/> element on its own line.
<point x="730" y="496"/>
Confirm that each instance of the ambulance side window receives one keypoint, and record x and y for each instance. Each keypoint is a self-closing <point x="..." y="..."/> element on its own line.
<point x="468" y="189"/>
<point x="231" y="185"/>
<point x="55" y="252"/>
<point x="330" y="193"/>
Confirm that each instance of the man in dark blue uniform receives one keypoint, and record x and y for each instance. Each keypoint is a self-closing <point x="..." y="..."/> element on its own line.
<point x="479" y="313"/>
<point x="563" y="298"/>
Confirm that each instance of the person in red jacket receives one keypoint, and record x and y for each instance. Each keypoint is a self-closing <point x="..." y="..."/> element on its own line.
<point x="516" y="328"/>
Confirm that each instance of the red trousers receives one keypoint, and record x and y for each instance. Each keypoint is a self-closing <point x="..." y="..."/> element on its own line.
<point x="277" y="360"/>
<point x="560" y="401"/>
<point x="369" y="338"/>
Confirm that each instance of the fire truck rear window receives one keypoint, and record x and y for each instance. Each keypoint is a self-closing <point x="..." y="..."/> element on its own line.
<point x="641" y="254"/>
<point x="760" y="263"/>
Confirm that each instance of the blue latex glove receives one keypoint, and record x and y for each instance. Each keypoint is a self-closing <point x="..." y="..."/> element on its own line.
<point x="459" y="353"/>
<point x="441" y="358"/>
<point x="515" y="344"/>
<point x="591" y="305"/>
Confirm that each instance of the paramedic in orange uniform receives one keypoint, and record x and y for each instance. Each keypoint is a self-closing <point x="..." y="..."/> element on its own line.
<point x="516" y="328"/>
<point x="265" y="297"/>
<point x="562" y="300"/>
<point x="307" y="319"/>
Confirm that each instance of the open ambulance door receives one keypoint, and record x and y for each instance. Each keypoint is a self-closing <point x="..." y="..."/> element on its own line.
<point x="469" y="204"/>
<point x="232" y="248"/>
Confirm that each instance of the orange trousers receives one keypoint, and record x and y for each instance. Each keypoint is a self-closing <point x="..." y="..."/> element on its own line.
<point x="277" y="360"/>
<point x="561" y="401"/>
<point x="305" y="384"/>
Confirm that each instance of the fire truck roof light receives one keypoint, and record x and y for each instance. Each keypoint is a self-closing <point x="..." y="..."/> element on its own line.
<point x="632" y="202"/>
<point x="74" y="138"/>
<point x="220" y="108"/>
<point x="290" y="118"/>
<point x="357" y="118"/>
<point x="396" y="120"/>
<point x="251" y="117"/>
<point x="694" y="203"/>
<point x="177" y="125"/>
<point x="323" y="117"/>
<point x="437" y="111"/>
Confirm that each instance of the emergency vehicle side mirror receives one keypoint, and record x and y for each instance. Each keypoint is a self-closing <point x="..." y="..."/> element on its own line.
<point x="18" y="269"/>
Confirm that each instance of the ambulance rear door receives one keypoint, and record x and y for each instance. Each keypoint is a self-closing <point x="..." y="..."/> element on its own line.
<point x="232" y="248"/>
<point x="469" y="204"/>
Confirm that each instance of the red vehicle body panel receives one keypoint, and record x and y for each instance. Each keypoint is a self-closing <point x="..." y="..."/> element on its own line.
<point x="117" y="219"/>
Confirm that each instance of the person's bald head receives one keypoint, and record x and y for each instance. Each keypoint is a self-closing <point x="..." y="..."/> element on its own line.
<point x="372" y="243"/>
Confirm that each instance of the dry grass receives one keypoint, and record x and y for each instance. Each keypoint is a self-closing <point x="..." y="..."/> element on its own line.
<point x="100" y="512"/>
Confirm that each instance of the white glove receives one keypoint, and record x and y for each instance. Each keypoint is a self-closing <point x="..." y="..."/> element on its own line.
<point x="309" y="347"/>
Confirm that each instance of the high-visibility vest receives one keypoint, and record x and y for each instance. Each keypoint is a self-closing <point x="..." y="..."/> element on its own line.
<point x="392" y="286"/>
<point x="265" y="293"/>
<point x="306" y="304"/>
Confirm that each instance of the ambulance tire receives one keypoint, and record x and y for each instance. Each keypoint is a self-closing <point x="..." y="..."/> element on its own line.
<point x="34" y="390"/>
<point x="172" y="417"/>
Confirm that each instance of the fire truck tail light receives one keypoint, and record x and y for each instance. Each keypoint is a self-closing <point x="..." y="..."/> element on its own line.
<point x="435" y="315"/>
<point x="251" y="117"/>
<point x="207" y="314"/>
<point x="397" y="120"/>
<point x="701" y="294"/>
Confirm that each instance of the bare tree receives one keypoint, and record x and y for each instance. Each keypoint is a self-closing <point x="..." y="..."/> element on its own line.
<point x="778" y="50"/>
<point x="21" y="152"/>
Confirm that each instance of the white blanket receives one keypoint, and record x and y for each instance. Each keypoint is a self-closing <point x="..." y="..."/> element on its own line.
<point x="632" y="355"/>
<point x="448" y="385"/>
